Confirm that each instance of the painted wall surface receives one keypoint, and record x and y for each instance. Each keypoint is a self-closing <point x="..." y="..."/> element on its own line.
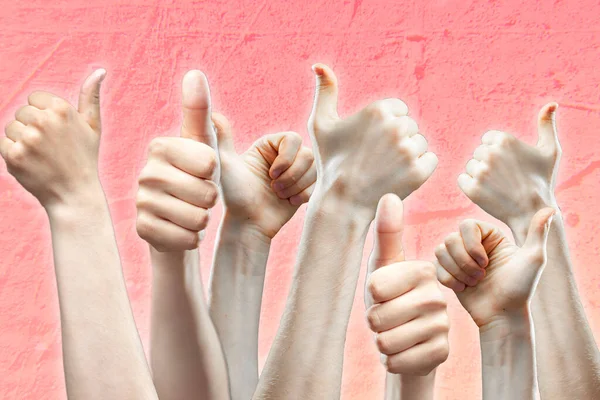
<point x="462" y="66"/>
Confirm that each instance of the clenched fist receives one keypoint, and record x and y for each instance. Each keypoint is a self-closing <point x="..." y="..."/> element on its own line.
<point x="406" y="309"/>
<point x="265" y="185"/>
<point x="511" y="272"/>
<point x="177" y="186"/>
<point x="376" y="151"/>
<point x="512" y="180"/>
<point x="51" y="147"/>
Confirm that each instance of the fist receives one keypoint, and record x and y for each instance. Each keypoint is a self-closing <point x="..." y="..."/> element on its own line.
<point x="376" y="151"/>
<point x="51" y="148"/>
<point x="509" y="273"/>
<point x="177" y="186"/>
<point x="406" y="309"/>
<point x="512" y="180"/>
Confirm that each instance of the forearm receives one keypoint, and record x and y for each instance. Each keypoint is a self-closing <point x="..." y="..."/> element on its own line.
<point x="102" y="351"/>
<point x="567" y="355"/>
<point x="407" y="387"/>
<point x="307" y="354"/>
<point x="185" y="355"/>
<point x="508" y="360"/>
<point x="235" y="296"/>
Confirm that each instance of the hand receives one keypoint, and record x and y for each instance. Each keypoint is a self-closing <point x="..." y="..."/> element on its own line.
<point x="376" y="151"/>
<point x="511" y="272"/>
<point x="265" y="185"/>
<point x="177" y="186"/>
<point x="405" y="306"/>
<point x="512" y="180"/>
<point x="51" y="148"/>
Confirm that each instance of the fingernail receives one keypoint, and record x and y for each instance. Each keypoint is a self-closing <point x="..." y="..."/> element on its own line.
<point x="471" y="282"/>
<point x="278" y="186"/>
<point x="275" y="174"/>
<point x="479" y="274"/>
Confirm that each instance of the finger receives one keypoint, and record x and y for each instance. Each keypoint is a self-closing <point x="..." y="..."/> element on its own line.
<point x="89" y="99"/>
<point x="224" y="134"/>
<point x="388" y="230"/>
<point x="299" y="166"/>
<point x="302" y="197"/>
<point x="163" y="234"/>
<point x="172" y="209"/>
<point x="447" y="279"/>
<point x="302" y="183"/>
<point x="481" y="153"/>
<point x="420" y="144"/>
<point x="325" y="103"/>
<point x="468" y="185"/>
<point x="195" y="158"/>
<point x="418" y="359"/>
<point x="403" y="337"/>
<point x="547" y="133"/>
<point x="472" y="239"/>
<point x="5" y="146"/>
<point x="14" y="130"/>
<point x="427" y="163"/>
<point x="397" y="107"/>
<point x="539" y="227"/>
<point x="449" y="264"/>
<point x="493" y="137"/>
<point x="195" y="102"/>
<point x="199" y="192"/>
<point x="45" y="100"/>
<point x="390" y="282"/>
<point x="28" y="115"/>
<point x="288" y="145"/>
<point x="475" y="168"/>
<point x="456" y="248"/>
<point x="390" y="314"/>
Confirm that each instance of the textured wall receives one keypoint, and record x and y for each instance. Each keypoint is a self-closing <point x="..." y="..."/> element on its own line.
<point x="462" y="66"/>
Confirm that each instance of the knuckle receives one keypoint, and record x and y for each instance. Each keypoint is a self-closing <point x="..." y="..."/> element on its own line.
<point x="158" y="147"/>
<point x="440" y="353"/>
<point x="428" y="271"/>
<point x="210" y="162"/>
<point x="439" y="250"/>
<point x="191" y="241"/>
<point x="31" y="138"/>
<point x="373" y="319"/>
<point x="149" y="178"/>
<point x="382" y="343"/>
<point x="17" y="156"/>
<point x="452" y="239"/>
<point x="60" y="107"/>
<point x="376" y="110"/>
<point x="145" y="227"/>
<point x="433" y="301"/>
<point x="374" y="287"/>
<point x="200" y="220"/>
<point x="142" y="199"/>
<point x="210" y="196"/>
<point x="389" y="364"/>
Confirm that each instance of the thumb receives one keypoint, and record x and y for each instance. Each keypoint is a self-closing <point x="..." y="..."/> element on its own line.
<point x="224" y="135"/>
<point x="325" y="104"/>
<point x="195" y="104"/>
<point x="547" y="134"/>
<point x="389" y="227"/>
<point x="89" y="99"/>
<point x="537" y="235"/>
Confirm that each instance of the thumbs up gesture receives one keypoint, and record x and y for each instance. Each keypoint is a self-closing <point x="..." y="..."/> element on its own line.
<point x="375" y="151"/>
<point x="512" y="180"/>
<point x="177" y="186"/>
<point x="406" y="309"/>
<point x="265" y="185"/>
<point x="509" y="273"/>
<point x="51" y="147"/>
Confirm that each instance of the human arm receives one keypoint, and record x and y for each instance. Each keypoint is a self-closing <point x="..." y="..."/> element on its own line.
<point x="307" y="354"/>
<point x="176" y="190"/>
<point x="512" y="181"/>
<point x="52" y="150"/>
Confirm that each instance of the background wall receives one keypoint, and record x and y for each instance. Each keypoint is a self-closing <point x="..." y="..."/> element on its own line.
<point x="463" y="67"/>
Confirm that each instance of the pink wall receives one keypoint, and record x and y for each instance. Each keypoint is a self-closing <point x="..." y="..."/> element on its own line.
<point x="462" y="66"/>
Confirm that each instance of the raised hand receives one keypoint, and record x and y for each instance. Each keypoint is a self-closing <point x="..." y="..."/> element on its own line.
<point x="177" y="185"/>
<point x="406" y="309"/>
<point x="265" y="185"/>
<point x="376" y="151"/>
<point x="512" y="180"/>
<point x="511" y="272"/>
<point x="51" y="147"/>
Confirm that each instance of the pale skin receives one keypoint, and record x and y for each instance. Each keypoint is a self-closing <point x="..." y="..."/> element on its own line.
<point x="500" y="302"/>
<point x="51" y="148"/>
<point x="176" y="191"/>
<point x="406" y="310"/>
<point x="307" y="354"/>
<point x="511" y="181"/>
<point x="261" y="190"/>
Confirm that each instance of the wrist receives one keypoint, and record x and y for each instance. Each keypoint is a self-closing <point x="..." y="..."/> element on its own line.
<point x="234" y="228"/>
<point x="519" y="224"/>
<point x="516" y="323"/>
<point x="327" y="202"/>
<point x="89" y="201"/>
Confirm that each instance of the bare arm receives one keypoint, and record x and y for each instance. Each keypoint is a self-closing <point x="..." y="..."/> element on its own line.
<point x="176" y="190"/>
<point x="408" y="387"/>
<point x="512" y="181"/>
<point x="52" y="150"/>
